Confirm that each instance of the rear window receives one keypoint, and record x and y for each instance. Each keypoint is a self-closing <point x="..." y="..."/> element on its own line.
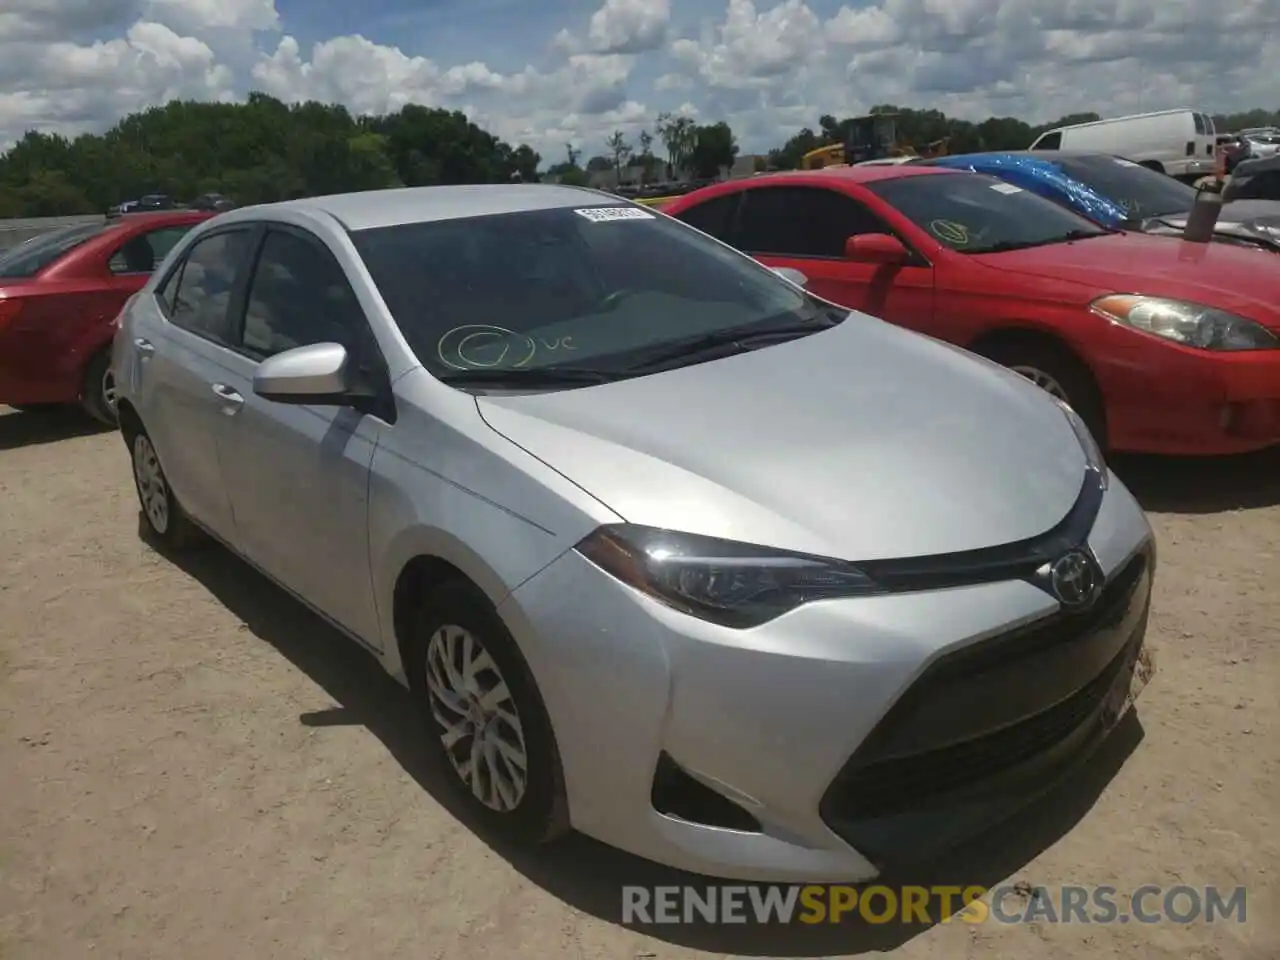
<point x="28" y="259"/>
<point x="1201" y="127"/>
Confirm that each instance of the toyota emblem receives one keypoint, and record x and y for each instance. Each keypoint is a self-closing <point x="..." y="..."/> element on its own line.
<point x="1074" y="579"/>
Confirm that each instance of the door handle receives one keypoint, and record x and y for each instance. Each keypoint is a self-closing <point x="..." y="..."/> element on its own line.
<point x="231" y="399"/>
<point x="144" y="346"/>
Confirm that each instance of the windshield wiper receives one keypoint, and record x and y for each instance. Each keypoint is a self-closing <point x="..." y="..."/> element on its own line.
<point x="1067" y="237"/>
<point x="527" y="376"/>
<point x="723" y="343"/>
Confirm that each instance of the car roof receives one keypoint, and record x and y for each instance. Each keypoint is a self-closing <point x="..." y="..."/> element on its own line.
<point x="1045" y="155"/>
<point x="371" y="209"/>
<point x="858" y="173"/>
<point x="158" y="218"/>
<point x="1257" y="165"/>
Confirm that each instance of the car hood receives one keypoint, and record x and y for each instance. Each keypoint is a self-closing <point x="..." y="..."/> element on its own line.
<point x="1249" y="219"/>
<point x="1241" y="279"/>
<point x="864" y="442"/>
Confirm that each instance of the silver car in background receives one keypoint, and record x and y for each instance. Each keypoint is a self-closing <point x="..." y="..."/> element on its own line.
<point x="672" y="552"/>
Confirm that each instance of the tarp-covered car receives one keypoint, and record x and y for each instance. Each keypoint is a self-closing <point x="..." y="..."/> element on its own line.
<point x="1122" y="194"/>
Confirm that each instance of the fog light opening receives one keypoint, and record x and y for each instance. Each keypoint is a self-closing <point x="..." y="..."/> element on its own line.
<point x="677" y="794"/>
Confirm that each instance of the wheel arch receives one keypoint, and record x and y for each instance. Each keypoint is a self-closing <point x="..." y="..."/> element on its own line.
<point x="130" y="422"/>
<point x="992" y="343"/>
<point x="1020" y="334"/>
<point x="423" y="560"/>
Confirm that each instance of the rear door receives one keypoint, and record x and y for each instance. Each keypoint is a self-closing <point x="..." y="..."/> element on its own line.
<point x="179" y="349"/>
<point x="806" y="228"/>
<point x="128" y="266"/>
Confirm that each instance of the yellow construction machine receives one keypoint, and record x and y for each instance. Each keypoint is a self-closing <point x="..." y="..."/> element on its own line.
<point x="873" y="137"/>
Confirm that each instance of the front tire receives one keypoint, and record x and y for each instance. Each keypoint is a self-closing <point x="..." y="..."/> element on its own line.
<point x="166" y="521"/>
<point x="98" y="394"/>
<point x="1059" y="374"/>
<point x="486" y="722"/>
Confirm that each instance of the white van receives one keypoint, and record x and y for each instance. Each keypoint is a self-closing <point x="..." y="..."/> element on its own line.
<point x="1177" y="142"/>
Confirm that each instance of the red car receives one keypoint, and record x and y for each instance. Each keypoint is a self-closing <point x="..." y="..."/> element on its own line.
<point x="1162" y="345"/>
<point x="59" y="296"/>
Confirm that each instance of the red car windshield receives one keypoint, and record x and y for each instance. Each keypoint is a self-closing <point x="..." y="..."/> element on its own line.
<point x="975" y="213"/>
<point x="28" y="259"/>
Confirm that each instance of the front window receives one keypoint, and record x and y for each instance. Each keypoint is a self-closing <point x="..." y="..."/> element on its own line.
<point x="550" y="290"/>
<point x="975" y="213"/>
<point x="28" y="259"/>
<point x="1140" y="191"/>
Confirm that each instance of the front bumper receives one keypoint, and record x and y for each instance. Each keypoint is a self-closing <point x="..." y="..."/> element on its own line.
<point x="1167" y="399"/>
<point x="836" y="728"/>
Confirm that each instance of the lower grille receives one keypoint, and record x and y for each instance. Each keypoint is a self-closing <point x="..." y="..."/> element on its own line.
<point x="885" y="787"/>
<point x="986" y="710"/>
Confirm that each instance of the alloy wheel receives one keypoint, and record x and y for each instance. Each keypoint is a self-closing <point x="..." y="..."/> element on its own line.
<point x="109" y="390"/>
<point x="481" y="730"/>
<point x="1042" y="380"/>
<point x="153" y="490"/>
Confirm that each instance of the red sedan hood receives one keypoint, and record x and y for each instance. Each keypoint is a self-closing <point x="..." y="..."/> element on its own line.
<point x="1243" y="280"/>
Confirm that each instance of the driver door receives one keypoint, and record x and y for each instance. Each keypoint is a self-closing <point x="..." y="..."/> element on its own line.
<point x="806" y="228"/>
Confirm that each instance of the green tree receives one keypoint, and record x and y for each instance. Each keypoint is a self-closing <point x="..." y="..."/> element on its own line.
<point x="257" y="151"/>
<point x="620" y="151"/>
<point x="677" y="135"/>
<point x="713" y="148"/>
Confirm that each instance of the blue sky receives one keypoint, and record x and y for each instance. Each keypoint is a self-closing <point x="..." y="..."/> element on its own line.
<point x="577" y="70"/>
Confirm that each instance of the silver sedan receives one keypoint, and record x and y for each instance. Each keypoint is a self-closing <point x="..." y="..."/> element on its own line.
<point x="672" y="552"/>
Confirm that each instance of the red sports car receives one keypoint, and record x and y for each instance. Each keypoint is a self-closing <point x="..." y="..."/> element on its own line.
<point x="1162" y="345"/>
<point x="59" y="297"/>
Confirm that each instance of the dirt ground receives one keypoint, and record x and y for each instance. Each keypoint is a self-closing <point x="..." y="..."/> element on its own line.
<point x="194" y="767"/>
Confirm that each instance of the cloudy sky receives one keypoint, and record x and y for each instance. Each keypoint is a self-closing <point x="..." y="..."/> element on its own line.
<point x="575" y="70"/>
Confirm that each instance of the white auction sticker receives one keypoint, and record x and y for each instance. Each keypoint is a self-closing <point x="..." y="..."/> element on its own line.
<point x="1005" y="188"/>
<point x="607" y="214"/>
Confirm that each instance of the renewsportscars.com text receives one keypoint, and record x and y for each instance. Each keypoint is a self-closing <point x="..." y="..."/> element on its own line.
<point x="1009" y="904"/>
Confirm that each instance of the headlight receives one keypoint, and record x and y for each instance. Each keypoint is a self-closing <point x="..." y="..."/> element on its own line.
<point x="725" y="582"/>
<point x="1088" y="443"/>
<point x="1190" y="324"/>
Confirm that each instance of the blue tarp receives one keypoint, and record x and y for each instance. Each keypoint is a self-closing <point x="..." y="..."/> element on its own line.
<point x="1043" y="177"/>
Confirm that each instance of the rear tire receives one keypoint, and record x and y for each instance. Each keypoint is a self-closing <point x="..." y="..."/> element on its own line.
<point x="98" y="394"/>
<point x="1056" y="371"/>
<point x="487" y="726"/>
<point x="166" y="522"/>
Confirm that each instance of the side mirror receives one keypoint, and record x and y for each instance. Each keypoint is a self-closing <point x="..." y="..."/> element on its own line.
<point x="875" y="248"/>
<point x="314" y="374"/>
<point x="791" y="274"/>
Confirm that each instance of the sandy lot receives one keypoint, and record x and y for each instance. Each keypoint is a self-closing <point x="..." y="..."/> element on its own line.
<point x="194" y="767"/>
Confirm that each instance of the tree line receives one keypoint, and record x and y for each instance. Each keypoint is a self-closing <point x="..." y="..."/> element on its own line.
<point x="265" y="150"/>
<point x="921" y="127"/>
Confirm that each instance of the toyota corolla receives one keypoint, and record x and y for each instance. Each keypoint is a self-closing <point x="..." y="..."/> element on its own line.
<point x="672" y="551"/>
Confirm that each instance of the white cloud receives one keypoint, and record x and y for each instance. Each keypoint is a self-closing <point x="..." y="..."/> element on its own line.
<point x="766" y="66"/>
<point x="629" y="26"/>
<point x="196" y="16"/>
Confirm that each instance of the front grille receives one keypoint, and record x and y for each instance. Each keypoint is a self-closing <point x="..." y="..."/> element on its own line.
<point x="989" y="708"/>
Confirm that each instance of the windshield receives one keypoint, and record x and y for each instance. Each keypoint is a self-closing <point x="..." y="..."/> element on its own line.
<point x="598" y="286"/>
<point x="28" y="259"/>
<point x="1140" y="191"/>
<point x="975" y="213"/>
